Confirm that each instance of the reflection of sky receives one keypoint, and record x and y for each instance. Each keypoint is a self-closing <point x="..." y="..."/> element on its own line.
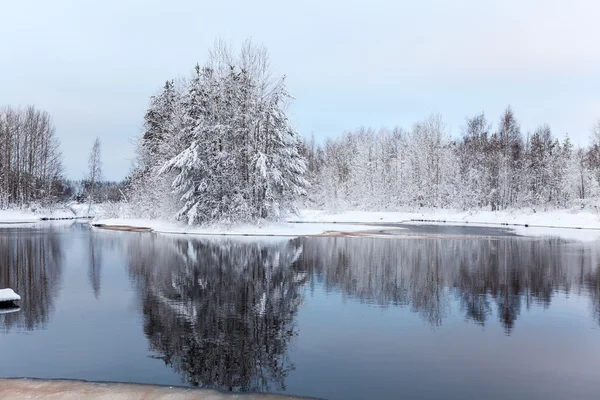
<point x="93" y="65"/>
<point x="339" y="338"/>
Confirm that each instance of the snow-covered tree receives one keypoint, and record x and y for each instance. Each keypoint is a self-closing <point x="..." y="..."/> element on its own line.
<point x="425" y="167"/>
<point x="223" y="141"/>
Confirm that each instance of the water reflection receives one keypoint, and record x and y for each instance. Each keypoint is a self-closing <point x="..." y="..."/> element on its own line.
<point x="224" y="313"/>
<point x="221" y="313"/>
<point x="94" y="262"/>
<point x="30" y="263"/>
<point x="592" y="286"/>
<point x="428" y="275"/>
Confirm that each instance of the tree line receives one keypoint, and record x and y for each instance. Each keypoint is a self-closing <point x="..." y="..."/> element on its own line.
<point x="30" y="157"/>
<point x="31" y="170"/>
<point x="425" y="167"/>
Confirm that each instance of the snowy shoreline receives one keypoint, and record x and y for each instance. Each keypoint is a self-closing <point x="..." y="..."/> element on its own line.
<point x="69" y="211"/>
<point x="555" y="218"/>
<point x="569" y="224"/>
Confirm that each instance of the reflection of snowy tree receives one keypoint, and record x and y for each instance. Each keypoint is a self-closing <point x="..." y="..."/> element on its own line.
<point x="473" y="291"/>
<point x="95" y="263"/>
<point x="428" y="296"/>
<point x="30" y="263"/>
<point x="219" y="312"/>
<point x="592" y="283"/>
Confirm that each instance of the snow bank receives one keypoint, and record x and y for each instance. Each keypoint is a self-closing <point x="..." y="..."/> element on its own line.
<point x="35" y="214"/>
<point x="569" y="224"/>
<point x="271" y="229"/>
<point x="66" y="390"/>
<point x="17" y="216"/>
<point x="555" y="218"/>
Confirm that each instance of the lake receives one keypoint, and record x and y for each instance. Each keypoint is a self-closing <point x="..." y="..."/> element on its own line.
<point x="429" y="313"/>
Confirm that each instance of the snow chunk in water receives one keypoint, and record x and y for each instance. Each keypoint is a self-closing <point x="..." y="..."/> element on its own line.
<point x="8" y="295"/>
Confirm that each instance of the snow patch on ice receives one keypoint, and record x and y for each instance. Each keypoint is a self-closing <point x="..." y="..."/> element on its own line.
<point x="272" y="229"/>
<point x="8" y="295"/>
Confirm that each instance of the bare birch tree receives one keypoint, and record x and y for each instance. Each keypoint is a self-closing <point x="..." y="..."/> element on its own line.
<point x="30" y="158"/>
<point x="95" y="171"/>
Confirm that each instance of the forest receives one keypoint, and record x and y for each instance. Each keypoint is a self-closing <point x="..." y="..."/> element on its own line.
<point x="30" y="157"/>
<point x="31" y="170"/>
<point x="485" y="168"/>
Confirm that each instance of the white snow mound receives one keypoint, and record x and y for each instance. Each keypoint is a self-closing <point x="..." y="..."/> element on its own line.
<point x="8" y="295"/>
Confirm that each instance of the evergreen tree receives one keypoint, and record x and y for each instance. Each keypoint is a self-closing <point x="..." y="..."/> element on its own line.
<point x="225" y="144"/>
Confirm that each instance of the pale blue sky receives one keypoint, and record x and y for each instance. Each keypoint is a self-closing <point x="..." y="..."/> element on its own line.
<point x="94" y="64"/>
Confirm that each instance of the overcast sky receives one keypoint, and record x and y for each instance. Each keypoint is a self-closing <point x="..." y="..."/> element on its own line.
<point x="94" y="64"/>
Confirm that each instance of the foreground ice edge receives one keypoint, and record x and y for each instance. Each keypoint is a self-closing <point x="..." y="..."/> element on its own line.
<point x="67" y="390"/>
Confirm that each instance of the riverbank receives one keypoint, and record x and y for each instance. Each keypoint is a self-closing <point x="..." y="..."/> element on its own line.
<point x="569" y="224"/>
<point x="573" y="223"/>
<point x="74" y="390"/>
<point x="576" y="219"/>
<point x="33" y="214"/>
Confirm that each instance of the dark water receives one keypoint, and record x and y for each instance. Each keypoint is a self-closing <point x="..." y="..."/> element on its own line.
<point x="339" y="318"/>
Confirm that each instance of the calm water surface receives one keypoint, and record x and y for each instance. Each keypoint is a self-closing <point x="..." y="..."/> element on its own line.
<point x="493" y="317"/>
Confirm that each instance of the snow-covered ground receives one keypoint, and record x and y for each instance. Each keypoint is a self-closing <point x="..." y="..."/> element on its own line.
<point x="16" y="216"/>
<point x="555" y="218"/>
<point x="569" y="224"/>
<point x="35" y="214"/>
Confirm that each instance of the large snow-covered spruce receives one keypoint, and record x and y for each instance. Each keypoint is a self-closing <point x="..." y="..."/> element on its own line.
<point x="223" y="142"/>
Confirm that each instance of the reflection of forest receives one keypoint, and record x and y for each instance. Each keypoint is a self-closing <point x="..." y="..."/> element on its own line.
<point x="428" y="274"/>
<point x="219" y="312"/>
<point x="30" y="263"/>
